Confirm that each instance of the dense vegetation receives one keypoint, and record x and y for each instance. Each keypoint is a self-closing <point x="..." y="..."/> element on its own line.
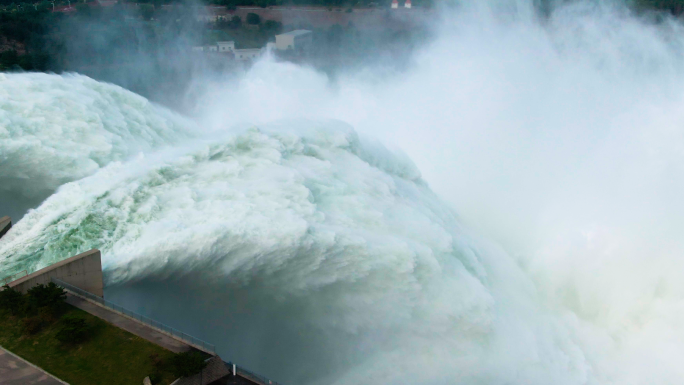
<point x="676" y="7"/>
<point x="319" y="3"/>
<point x="34" y="38"/>
<point x="82" y="349"/>
<point x="29" y="31"/>
<point x="145" y="47"/>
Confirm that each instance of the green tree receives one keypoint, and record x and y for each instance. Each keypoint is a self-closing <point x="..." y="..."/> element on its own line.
<point x="231" y="5"/>
<point x="188" y="363"/>
<point x="8" y="59"/>
<point x="253" y="19"/>
<point x="50" y="297"/>
<point x="74" y="330"/>
<point x="45" y="6"/>
<point x="11" y="300"/>
<point x="265" y="3"/>
<point x="674" y="6"/>
<point x="235" y="22"/>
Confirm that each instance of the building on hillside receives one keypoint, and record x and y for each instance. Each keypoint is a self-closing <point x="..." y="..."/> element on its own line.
<point x="247" y="54"/>
<point x="226" y="46"/>
<point x="299" y="39"/>
<point x="395" y="4"/>
<point x="407" y="4"/>
<point x="221" y="46"/>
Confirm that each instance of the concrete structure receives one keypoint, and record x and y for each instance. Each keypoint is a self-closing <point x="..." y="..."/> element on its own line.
<point x="299" y="39"/>
<point x="212" y="374"/>
<point x="13" y="277"/>
<point x="83" y="271"/>
<point x="16" y="371"/>
<point x="247" y="54"/>
<point x="221" y="46"/>
<point x="5" y="225"/>
<point x="226" y="46"/>
<point x="129" y="324"/>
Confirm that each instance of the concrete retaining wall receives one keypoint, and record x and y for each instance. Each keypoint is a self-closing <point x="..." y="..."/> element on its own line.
<point x="83" y="271"/>
<point x="5" y="225"/>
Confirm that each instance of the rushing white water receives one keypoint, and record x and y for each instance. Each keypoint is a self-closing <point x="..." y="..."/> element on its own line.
<point x="316" y="255"/>
<point x="56" y="129"/>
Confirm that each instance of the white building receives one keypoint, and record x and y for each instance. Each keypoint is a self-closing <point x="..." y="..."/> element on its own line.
<point x="226" y="46"/>
<point x="297" y="39"/>
<point x="221" y="46"/>
<point x="395" y="4"/>
<point x="247" y="54"/>
<point x="407" y="4"/>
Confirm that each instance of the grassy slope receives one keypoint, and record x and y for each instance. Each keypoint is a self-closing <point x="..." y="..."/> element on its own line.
<point x="111" y="356"/>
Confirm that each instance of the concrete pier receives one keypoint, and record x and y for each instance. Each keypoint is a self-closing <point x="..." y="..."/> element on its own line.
<point x="83" y="271"/>
<point x="5" y="225"/>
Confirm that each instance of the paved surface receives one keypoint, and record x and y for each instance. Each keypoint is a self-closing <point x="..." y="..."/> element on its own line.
<point x="137" y="328"/>
<point x="16" y="371"/>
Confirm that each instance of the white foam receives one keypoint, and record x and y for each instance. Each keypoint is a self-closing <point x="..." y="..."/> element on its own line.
<point x="55" y="129"/>
<point x="561" y="138"/>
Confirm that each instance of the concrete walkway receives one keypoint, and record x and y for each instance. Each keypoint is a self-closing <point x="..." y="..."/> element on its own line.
<point x="15" y="371"/>
<point x="131" y="326"/>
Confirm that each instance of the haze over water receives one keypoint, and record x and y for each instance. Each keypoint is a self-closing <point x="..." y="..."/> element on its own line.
<point x="506" y="210"/>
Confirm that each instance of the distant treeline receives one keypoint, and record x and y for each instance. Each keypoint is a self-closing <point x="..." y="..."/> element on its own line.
<point x="34" y="38"/>
<point x="320" y="3"/>
<point x="236" y="3"/>
<point x="37" y="39"/>
<point x="676" y="7"/>
<point x="29" y="31"/>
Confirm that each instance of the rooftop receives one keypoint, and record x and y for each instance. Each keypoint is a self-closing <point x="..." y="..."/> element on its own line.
<point x="296" y="32"/>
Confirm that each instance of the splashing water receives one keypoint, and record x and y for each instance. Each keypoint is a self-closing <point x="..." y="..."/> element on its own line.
<point x="56" y="129"/>
<point x="315" y="255"/>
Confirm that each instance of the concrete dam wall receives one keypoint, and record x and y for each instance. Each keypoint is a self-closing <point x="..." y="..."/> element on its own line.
<point x="83" y="271"/>
<point x="5" y="225"/>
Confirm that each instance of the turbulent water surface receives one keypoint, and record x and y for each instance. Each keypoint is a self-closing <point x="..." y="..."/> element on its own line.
<point x="273" y="224"/>
<point x="56" y="129"/>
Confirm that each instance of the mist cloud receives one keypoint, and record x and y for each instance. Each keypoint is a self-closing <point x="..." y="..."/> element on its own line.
<point x="558" y="136"/>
